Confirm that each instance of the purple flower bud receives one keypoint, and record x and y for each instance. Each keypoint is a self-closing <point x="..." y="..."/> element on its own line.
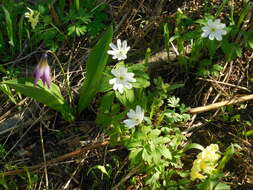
<point x="42" y="71"/>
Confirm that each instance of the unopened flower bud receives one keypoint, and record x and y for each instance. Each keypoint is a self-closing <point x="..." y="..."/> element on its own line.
<point x="42" y="71"/>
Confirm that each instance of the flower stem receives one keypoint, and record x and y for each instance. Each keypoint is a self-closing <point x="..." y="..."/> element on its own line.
<point x="64" y="74"/>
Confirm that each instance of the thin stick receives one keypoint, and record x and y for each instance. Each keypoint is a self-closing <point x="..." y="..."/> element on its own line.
<point x="73" y="175"/>
<point x="44" y="156"/>
<point x="24" y="134"/>
<point x="58" y="159"/>
<point x="220" y="104"/>
<point x="64" y="74"/>
<point x="125" y="178"/>
<point x="22" y="58"/>
<point x="227" y="84"/>
<point x="2" y="117"/>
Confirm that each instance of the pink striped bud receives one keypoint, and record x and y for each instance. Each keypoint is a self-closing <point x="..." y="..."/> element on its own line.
<point x="42" y="71"/>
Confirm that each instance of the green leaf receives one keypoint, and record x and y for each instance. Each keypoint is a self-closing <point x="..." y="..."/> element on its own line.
<point x="248" y="39"/>
<point x="51" y="97"/>
<point x="104" y="85"/>
<point x="146" y="156"/>
<point x="5" y="89"/>
<point x="71" y="30"/>
<point x="222" y="186"/>
<point x="231" y="50"/>
<point x="147" y="56"/>
<point x="175" y="86"/>
<point x="9" y="27"/>
<point x="106" y="102"/>
<point x="127" y="97"/>
<point x="230" y="151"/>
<point x="99" y="167"/>
<point x="165" y="152"/>
<point x="135" y="156"/>
<point x="196" y="52"/>
<point x="193" y="145"/>
<point x="95" y="66"/>
<point x="3" y="183"/>
<point x="244" y="12"/>
<point x="154" y="133"/>
<point x="212" y="47"/>
<point x="248" y="133"/>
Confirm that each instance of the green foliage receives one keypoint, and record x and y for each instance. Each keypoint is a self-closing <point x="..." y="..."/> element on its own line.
<point x="10" y="18"/>
<point x="208" y="69"/>
<point x="2" y="151"/>
<point x="53" y="28"/>
<point x="155" y="146"/>
<point x="231" y="50"/>
<point x="51" y="97"/>
<point x="9" y="26"/>
<point x="248" y="39"/>
<point x="166" y="35"/>
<point x="95" y="66"/>
<point x="8" y="74"/>
<point x="213" y="182"/>
<point x="202" y="53"/>
<point x="27" y="180"/>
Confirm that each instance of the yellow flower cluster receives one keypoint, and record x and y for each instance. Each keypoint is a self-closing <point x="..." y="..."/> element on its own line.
<point x="33" y="17"/>
<point x="206" y="162"/>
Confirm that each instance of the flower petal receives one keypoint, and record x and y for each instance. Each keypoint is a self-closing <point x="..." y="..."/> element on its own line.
<point x="211" y="36"/>
<point x="111" y="52"/>
<point x="113" y="46"/>
<point x="112" y="81"/>
<point x="129" y="123"/>
<point x="119" y="43"/>
<point x="131" y="114"/>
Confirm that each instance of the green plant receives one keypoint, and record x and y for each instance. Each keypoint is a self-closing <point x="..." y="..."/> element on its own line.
<point x="197" y="46"/>
<point x="30" y="25"/>
<point x="94" y="71"/>
<point x="52" y="96"/>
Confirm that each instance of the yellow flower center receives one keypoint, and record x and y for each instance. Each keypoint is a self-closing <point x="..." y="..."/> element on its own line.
<point x="121" y="78"/>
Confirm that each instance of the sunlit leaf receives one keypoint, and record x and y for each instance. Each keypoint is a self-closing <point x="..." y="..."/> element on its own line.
<point x="95" y="66"/>
<point x="51" y="97"/>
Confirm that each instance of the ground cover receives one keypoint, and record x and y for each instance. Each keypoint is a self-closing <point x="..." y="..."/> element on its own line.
<point x="117" y="84"/>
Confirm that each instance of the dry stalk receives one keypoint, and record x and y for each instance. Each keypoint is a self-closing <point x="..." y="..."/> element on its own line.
<point x="58" y="159"/>
<point x="220" y="104"/>
<point x="227" y="84"/>
<point x="44" y="156"/>
<point x="3" y="117"/>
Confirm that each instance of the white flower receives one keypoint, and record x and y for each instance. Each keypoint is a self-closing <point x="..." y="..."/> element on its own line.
<point x="135" y="117"/>
<point x="122" y="79"/>
<point x="120" y="51"/>
<point x="214" y="30"/>
<point x="33" y="17"/>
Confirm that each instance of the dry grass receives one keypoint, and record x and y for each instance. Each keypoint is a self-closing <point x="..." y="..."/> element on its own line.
<point x="61" y="152"/>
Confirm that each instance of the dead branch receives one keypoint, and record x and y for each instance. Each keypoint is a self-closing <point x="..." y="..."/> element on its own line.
<point x="221" y="104"/>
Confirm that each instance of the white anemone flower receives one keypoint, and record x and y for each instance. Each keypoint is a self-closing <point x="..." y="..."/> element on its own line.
<point x="214" y="29"/>
<point x="122" y="80"/>
<point x="135" y="117"/>
<point x="120" y="51"/>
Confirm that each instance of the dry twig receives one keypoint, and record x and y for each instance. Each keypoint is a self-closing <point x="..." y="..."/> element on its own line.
<point x="220" y="104"/>
<point x="58" y="159"/>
